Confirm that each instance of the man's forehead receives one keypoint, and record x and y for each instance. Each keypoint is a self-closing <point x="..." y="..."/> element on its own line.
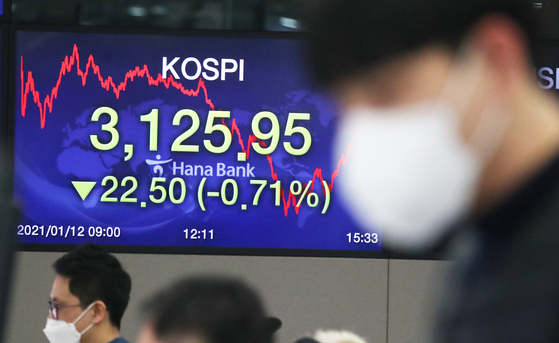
<point x="61" y="289"/>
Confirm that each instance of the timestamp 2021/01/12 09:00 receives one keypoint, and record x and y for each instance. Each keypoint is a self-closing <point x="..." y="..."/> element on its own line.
<point x="61" y="231"/>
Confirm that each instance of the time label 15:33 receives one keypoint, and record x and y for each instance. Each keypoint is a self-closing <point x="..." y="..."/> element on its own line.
<point x="362" y="238"/>
<point x="265" y="143"/>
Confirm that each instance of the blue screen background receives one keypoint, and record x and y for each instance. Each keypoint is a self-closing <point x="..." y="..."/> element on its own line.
<point x="48" y="159"/>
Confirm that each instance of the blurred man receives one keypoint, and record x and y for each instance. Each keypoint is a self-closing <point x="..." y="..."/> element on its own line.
<point x="448" y="132"/>
<point x="88" y="297"/>
<point x="207" y="310"/>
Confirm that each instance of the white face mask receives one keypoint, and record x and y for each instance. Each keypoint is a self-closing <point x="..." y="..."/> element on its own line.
<point x="59" y="331"/>
<point x="408" y="171"/>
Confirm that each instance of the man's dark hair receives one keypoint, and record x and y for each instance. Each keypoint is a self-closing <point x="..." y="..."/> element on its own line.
<point x="348" y="37"/>
<point x="219" y="309"/>
<point x="96" y="275"/>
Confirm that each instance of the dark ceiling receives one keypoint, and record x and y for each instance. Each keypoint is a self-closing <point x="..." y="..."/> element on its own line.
<point x="254" y="15"/>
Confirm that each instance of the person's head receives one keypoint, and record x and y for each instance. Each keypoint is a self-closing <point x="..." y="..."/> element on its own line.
<point x="351" y="39"/>
<point x="206" y="309"/>
<point x="439" y="104"/>
<point x="385" y="53"/>
<point x="92" y="283"/>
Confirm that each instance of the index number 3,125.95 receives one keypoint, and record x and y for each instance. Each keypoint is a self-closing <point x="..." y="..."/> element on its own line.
<point x="212" y="125"/>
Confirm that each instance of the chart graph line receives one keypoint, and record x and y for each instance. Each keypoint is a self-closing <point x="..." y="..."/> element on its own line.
<point x="108" y="83"/>
<point x="28" y="87"/>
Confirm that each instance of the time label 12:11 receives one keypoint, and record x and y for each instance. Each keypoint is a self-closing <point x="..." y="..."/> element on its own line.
<point x="212" y="125"/>
<point x="194" y="234"/>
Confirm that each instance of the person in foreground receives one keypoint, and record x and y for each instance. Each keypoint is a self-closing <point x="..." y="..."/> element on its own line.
<point x="88" y="297"/>
<point x="207" y="309"/>
<point x="447" y="133"/>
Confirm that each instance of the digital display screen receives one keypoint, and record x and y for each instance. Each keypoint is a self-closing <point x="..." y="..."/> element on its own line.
<point x="176" y="141"/>
<point x="547" y="68"/>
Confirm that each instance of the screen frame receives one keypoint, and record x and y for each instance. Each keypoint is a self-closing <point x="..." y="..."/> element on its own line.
<point x="10" y="137"/>
<point x="5" y="122"/>
<point x="6" y="16"/>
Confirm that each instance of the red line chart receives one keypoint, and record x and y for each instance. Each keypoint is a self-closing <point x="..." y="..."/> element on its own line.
<point x="108" y="83"/>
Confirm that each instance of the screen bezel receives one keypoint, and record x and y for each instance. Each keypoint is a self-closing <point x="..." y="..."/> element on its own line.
<point x="10" y="135"/>
<point x="6" y="16"/>
<point x="5" y="122"/>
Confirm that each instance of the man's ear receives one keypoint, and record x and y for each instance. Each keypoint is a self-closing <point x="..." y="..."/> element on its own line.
<point x="99" y="312"/>
<point x="504" y="48"/>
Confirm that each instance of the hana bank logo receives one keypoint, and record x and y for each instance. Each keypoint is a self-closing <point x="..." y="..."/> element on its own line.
<point x="157" y="165"/>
